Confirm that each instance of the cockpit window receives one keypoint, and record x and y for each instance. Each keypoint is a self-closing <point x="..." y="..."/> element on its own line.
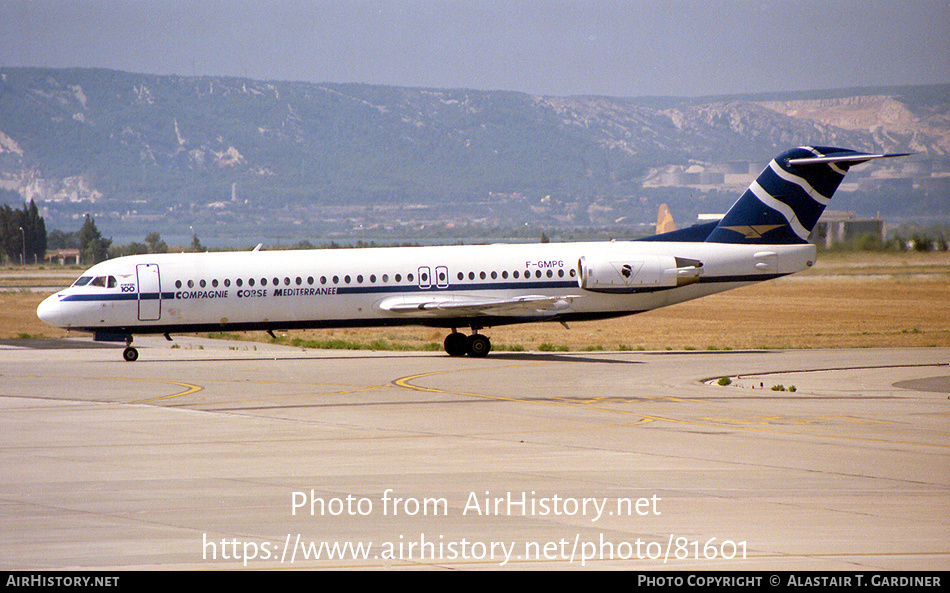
<point x="101" y="281"/>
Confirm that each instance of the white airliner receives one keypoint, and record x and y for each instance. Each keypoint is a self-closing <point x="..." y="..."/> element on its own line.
<point x="763" y="236"/>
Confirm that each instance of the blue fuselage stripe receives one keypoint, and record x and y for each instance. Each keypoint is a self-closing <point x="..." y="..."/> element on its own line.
<point x="354" y="290"/>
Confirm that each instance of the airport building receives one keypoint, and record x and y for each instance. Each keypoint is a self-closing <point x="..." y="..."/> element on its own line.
<point x="837" y="227"/>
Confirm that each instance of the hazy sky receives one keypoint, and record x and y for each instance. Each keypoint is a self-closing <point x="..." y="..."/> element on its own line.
<point x="550" y="47"/>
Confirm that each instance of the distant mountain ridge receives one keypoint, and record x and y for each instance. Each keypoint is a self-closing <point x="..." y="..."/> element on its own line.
<point x="215" y="148"/>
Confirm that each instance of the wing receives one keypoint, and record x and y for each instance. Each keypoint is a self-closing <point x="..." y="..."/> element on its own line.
<point x="443" y="306"/>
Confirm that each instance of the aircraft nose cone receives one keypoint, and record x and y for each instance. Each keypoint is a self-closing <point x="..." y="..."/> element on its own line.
<point x="51" y="312"/>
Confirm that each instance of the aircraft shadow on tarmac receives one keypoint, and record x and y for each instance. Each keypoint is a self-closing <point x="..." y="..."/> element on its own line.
<point x="508" y="356"/>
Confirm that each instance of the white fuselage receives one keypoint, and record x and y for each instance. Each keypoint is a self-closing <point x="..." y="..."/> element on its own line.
<point x="457" y="286"/>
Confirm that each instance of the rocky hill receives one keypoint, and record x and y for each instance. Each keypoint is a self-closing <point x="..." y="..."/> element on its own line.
<point x="142" y="151"/>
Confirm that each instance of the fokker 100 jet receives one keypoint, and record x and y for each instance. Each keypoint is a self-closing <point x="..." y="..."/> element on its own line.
<point x="764" y="235"/>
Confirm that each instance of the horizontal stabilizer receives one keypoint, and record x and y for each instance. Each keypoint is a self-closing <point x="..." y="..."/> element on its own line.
<point x="851" y="159"/>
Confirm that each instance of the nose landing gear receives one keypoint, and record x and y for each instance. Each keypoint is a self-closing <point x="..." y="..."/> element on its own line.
<point x="130" y="354"/>
<point x="475" y="345"/>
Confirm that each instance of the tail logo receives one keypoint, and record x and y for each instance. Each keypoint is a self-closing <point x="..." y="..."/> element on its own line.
<point x="754" y="232"/>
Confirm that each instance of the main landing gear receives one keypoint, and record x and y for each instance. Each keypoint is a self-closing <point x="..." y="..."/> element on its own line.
<point x="458" y="344"/>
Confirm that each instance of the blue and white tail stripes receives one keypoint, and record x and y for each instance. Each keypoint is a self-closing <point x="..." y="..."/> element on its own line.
<point x="783" y="204"/>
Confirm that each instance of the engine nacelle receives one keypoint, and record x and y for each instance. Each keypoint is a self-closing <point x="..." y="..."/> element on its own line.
<point x="624" y="273"/>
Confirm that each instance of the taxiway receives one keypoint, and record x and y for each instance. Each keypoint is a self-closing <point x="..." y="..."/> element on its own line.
<point x="212" y="454"/>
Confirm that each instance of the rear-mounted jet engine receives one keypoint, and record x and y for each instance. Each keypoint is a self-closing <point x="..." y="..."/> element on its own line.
<point x="636" y="273"/>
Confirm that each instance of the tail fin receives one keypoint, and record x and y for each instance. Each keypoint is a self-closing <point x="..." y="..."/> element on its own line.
<point x="664" y="220"/>
<point x="784" y="202"/>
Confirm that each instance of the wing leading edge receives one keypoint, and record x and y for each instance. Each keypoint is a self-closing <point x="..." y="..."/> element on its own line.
<point x="448" y="308"/>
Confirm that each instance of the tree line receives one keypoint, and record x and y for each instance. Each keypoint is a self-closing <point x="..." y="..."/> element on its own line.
<point x="24" y="240"/>
<point x="94" y="248"/>
<point x="22" y="234"/>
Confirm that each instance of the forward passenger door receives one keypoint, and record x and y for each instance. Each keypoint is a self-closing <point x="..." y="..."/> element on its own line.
<point x="150" y="292"/>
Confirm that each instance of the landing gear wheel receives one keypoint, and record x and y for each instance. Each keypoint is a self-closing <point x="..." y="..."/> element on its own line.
<point x="130" y="354"/>
<point x="478" y="345"/>
<point x="455" y="344"/>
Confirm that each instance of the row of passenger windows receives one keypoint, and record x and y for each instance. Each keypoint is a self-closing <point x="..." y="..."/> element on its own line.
<point x="423" y="278"/>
